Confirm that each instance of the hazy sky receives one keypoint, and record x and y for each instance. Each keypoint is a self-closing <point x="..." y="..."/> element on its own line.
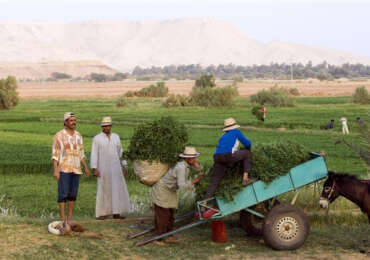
<point x="343" y="25"/>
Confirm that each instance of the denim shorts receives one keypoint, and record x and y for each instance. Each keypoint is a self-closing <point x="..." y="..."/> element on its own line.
<point x="68" y="186"/>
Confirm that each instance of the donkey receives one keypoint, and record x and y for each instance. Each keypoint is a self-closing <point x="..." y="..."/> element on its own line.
<point x="348" y="186"/>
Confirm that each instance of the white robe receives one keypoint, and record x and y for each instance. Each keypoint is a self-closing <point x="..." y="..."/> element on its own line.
<point x="112" y="195"/>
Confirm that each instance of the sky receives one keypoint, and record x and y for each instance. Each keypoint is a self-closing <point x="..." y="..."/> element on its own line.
<point x="341" y="24"/>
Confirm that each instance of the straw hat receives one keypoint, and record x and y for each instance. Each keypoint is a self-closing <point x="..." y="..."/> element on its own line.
<point x="107" y="120"/>
<point x="230" y="124"/>
<point x="68" y="115"/>
<point x="189" y="152"/>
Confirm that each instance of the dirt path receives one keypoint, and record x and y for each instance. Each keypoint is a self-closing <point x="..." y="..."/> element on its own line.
<point x="28" y="239"/>
<point x="77" y="90"/>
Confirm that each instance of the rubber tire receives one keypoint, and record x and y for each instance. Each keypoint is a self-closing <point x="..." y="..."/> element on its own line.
<point x="252" y="224"/>
<point x="271" y="224"/>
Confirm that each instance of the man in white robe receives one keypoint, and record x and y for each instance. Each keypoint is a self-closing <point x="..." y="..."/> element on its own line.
<point x="112" y="196"/>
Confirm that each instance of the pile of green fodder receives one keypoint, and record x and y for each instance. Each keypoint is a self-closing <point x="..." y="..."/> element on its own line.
<point x="161" y="140"/>
<point x="269" y="161"/>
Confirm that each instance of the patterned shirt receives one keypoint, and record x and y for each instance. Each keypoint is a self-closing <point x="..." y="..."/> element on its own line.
<point x="68" y="151"/>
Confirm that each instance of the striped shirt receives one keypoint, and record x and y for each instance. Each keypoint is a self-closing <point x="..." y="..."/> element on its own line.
<point x="68" y="151"/>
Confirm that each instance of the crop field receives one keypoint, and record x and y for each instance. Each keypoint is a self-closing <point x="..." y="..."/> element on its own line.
<point x="28" y="191"/>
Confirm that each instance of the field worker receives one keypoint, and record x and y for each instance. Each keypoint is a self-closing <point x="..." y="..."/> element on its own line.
<point x="227" y="152"/>
<point x="330" y="125"/>
<point x="360" y="122"/>
<point x="68" y="155"/>
<point x="112" y="197"/>
<point x="263" y="110"/>
<point x="344" y="126"/>
<point x="164" y="192"/>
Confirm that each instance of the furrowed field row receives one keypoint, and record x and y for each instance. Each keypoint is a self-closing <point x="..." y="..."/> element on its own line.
<point x="30" y="153"/>
<point x="305" y="116"/>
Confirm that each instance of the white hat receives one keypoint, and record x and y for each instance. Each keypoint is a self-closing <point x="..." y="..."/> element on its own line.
<point x="189" y="152"/>
<point x="107" y="120"/>
<point x="230" y="124"/>
<point x="68" y="115"/>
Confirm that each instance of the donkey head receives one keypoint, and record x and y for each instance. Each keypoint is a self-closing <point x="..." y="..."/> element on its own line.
<point x="330" y="190"/>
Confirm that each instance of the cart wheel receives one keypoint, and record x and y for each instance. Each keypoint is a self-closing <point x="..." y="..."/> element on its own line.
<point x="286" y="227"/>
<point x="252" y="224"/>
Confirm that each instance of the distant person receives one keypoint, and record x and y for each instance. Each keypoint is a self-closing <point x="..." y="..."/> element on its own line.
<point x="68" y="155"/>
<point x="344" y="126"/>
<point x="330" y="125"/>
<point x="112" y="197"/>
<point x="263" y="110"/>
<point x="360" y="122"/>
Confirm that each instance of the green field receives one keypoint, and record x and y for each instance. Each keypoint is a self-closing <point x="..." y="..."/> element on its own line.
<point x="28" y="190"/>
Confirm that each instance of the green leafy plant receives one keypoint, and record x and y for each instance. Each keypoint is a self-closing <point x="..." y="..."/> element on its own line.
<point x="361" y="96"/>
<point x="213" y="97"/>
<point x="257" y="112"/>
<point x="158" y="90"/>
<point x="205" y="81"/>
<point x="8" y="93"/>
<point x="269" y="161"/>
<point x="275" y="96"/>
<point x="161" y="140"/>
<point x="124" y="101"/>
<point x="176" y="101"/>
<point x="294" y="92"/>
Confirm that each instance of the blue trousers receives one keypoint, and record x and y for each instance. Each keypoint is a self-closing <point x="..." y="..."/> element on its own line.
<point x="68" y="186"/>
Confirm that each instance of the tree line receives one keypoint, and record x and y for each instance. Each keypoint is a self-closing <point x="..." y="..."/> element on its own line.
<point x="323" y="71"/>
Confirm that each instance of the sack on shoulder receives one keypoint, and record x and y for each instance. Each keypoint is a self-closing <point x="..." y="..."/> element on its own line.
<point x="149" y="172"/>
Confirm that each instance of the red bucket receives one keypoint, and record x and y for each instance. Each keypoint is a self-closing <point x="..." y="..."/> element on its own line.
<point x="219" y="231"/>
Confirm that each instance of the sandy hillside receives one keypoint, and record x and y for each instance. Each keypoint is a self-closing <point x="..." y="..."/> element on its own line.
<point x="124" y="45"/>
<point x="43" y="70"/>
<point x="30" y="90"/>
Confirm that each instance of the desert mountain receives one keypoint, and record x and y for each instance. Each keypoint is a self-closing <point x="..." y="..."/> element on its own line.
<point x="123" y="45"/>
<point x="43" y="70"/>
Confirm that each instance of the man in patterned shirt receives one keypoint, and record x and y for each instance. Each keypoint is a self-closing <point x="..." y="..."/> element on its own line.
<point x="67" y="156"/>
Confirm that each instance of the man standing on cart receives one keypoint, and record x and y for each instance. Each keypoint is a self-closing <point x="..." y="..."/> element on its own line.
<point x="227" y="152"/>
<point x="164" y="192"/>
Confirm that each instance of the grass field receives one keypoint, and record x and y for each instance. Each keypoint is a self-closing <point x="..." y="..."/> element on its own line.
<point x="28" y="191"/>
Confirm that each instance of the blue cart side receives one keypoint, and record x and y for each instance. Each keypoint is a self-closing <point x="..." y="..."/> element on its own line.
<point x="299" y="176"/>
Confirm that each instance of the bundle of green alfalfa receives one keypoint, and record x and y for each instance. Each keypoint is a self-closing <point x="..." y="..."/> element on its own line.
<point x="269" y="161"/>
<point x="155" y="146"/>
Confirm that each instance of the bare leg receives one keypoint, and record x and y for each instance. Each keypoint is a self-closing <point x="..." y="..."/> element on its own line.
<point x="245" y="176"/>
<point x="62" y="206"/>
<point x="70" y="210"/>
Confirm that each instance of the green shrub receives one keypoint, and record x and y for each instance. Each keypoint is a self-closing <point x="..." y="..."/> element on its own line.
<point x="130" y="93"/>
<point x="99" y="77"/>
<point x="161" y="140"/>
<point x="269" y="161"/>
<point x="361" y="96"/>
<point x="176" y="101"/>
<point x="124" y="101"/>
<point x="205" y="81"/>
<point x="8" y="93"/>
<point x="158" y="90"/>
<point x="59" y="75"/>
<point x="294" y="92"/>
<point x="119" y="76"/>
<point x="213" y="97"/>
<point x="275" y="96"/>
<point x="257" y="112"/>
<point x="238" y="79"/>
